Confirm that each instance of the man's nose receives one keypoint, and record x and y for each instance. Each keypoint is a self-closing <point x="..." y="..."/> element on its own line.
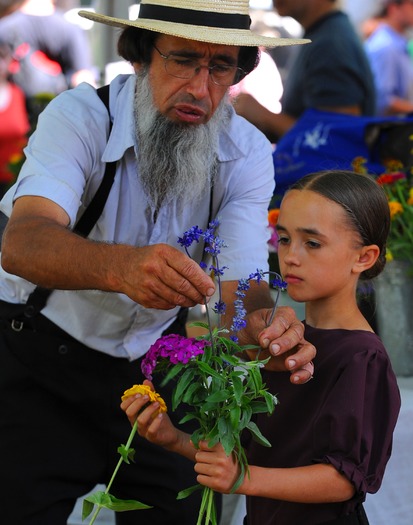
<point x="199" y="84"/>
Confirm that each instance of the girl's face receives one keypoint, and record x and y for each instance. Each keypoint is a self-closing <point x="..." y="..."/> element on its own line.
<point x="317" y="248"/>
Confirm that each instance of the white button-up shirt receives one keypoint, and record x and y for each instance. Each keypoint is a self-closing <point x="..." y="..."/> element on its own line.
<point x="65" y="163"/>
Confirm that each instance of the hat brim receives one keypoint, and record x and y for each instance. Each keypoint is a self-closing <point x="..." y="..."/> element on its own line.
<point x="213" y="35"/>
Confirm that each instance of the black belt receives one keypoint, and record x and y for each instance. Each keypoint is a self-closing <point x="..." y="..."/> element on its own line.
<point x="20" y="317"/>
<point x="15" y="315"/>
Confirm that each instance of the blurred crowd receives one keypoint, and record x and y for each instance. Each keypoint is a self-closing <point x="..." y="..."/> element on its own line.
<point x="359" y="63"/>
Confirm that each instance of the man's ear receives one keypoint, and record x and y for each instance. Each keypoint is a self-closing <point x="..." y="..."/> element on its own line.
<point x="367" y="257"/>
<point x="136" y="66"/>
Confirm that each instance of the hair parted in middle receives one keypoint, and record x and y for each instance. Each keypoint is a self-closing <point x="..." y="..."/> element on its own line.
<point x="364" y="202"/>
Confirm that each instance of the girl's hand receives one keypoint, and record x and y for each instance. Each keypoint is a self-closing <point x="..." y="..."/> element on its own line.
<point x="156" y="427"/>
<point x="153" y="426"/>
<point x="215" y="469"/>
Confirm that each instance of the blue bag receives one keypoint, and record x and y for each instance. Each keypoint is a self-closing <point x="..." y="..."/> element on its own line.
<point x="322" y="140"/>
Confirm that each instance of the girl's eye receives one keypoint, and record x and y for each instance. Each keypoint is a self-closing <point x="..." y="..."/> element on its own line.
<point x="282" y="239"/>
<point x="313" y="244"/>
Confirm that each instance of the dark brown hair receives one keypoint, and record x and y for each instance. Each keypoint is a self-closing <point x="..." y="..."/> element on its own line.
<point x="135" y="45"/>
<point x="364" y="202"/>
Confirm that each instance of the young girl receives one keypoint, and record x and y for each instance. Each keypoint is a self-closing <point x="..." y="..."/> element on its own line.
<point x="331" y="438"/>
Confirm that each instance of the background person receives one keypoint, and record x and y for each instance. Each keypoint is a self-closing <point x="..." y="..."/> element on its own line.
<point x="14" y="123"/>
<point x="331" y="74"/>
<point x="391" y="63"/>
<point x="183" y="157"/>
<point x="51" y="54"/>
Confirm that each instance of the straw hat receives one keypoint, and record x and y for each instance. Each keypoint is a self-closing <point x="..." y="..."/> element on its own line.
<point x="215" y="21"/>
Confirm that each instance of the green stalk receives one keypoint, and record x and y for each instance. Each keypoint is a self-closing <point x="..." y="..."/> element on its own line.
<point x="127" y="447"/>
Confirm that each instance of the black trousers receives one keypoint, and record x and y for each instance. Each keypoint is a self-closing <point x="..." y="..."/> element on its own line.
<point x="61" y="425"/>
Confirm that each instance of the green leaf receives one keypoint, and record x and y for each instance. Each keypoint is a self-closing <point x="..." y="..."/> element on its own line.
<point x="188" y="417"/>
<point x="181" y="386"/>
<point x="189" y="396"/>
<point x="187" y="492"/>
<point x="235" y="417"/>
<point x="226" y="437"/>
<point x="101" y="499"/>
<point x="128" y="454"/>
<point x="208" y="370"/>
<point x="174" y="371"/>
<point x="257" y="436"/>
<point x="218" y="397"/>
<point x="246" y="415"/>
<point x="259" y="407"/>
<point x="86" y="509"/>
<point x="237" y="385"/>
<point x="271" y="401"/>
<point x="199" y="324"/>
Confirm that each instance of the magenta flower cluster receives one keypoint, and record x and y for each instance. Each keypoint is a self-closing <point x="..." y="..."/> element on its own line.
<point x="175" y="348"/>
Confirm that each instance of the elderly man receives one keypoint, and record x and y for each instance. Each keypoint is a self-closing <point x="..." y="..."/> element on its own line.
<point x="183" y="157"/>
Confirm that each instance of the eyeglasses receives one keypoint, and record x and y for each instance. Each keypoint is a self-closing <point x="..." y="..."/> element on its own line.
<point x="187" y="68"/>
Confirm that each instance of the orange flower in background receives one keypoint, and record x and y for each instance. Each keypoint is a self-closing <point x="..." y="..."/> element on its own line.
<point x="395" y="209"/>
<point x="273" y="216"/>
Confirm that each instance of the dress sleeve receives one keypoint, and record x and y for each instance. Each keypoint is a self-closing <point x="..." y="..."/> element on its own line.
<point x="355" y="430"/>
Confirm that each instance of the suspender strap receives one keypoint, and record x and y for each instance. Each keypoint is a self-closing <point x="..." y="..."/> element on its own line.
<point x="38" y="298"/>
<point x="95" y="208"/>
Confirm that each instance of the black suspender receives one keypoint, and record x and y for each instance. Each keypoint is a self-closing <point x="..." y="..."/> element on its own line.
<point x="38" y="298"/>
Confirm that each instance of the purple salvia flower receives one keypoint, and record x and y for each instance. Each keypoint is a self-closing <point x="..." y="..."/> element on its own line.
<point x="220" y="307"/>
<point x="190" y="236"/>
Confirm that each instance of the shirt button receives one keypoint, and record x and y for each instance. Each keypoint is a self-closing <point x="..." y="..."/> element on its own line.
<point x="63" y="349"/>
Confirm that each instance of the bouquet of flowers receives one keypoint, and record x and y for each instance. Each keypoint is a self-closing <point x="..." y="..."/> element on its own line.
<point x="221" y="388"/>
<point x="397" y="183"/>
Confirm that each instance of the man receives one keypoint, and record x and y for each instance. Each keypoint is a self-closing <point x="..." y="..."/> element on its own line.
<point x="392" y="65"/>
<point x="183" y="157"/>
<point x="331" y="74"/>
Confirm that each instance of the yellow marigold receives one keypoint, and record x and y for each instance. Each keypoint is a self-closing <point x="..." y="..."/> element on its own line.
<point x="395" y="209"/>
<point x="273" y="216"/>
<point x="145" y="391"/>
<point x="359" y="165"/>
<point x="393" y="165"/>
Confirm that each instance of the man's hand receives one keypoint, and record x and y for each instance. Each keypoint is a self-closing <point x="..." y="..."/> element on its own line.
<point x="160" y="276"/>
<point x="157" y="276"/>
<point x="282" y="339"/>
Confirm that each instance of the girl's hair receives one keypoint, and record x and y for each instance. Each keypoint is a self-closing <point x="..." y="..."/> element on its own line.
<point x="135" y="45"/>
<point x="364" y="202"/>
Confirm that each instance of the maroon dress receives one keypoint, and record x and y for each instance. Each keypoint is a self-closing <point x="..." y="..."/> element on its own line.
<point x="345" y="417"/>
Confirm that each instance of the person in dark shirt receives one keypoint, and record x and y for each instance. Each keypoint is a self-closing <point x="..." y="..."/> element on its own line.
<point x="331" y="73"/>
<point x="330" y="442"/>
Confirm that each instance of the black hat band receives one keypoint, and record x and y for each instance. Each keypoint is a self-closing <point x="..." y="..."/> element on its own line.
<point x="193" y="17"/>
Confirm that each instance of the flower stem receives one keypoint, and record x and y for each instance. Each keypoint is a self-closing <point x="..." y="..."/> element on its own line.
<point x="209" y="326"/>
<point x="121" y="460"/>
<point x="207" y="508"/>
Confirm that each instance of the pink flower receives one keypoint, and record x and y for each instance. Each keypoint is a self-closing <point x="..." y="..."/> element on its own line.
<point x="175" y="348"/>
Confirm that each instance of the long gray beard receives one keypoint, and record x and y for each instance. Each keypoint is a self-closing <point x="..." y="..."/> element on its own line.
<point x="174" y="161"/>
